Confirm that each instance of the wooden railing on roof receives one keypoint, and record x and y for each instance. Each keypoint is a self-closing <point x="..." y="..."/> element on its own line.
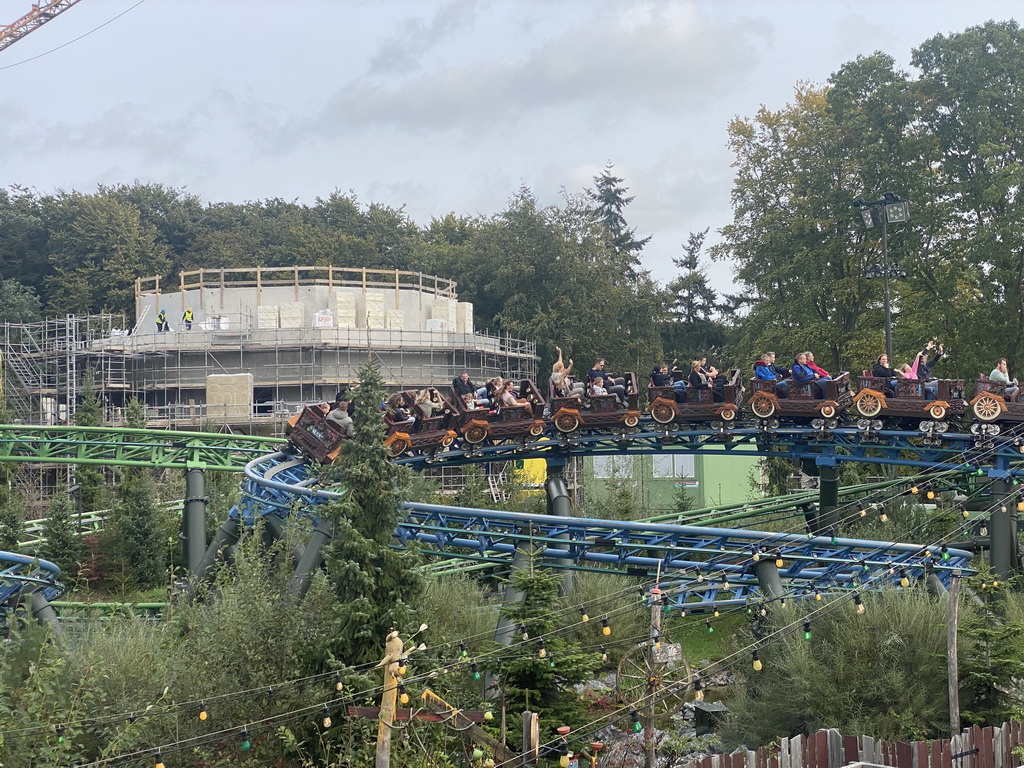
<point x="332" y="277"/>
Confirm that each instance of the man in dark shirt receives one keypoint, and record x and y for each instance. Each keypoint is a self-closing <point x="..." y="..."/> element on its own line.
<point x="615" y="386"/>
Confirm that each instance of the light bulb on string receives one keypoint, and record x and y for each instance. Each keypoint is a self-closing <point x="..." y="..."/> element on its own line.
<point x="710" y="628"/>
<point x="700" y="575"/>
<point x="60" y="734"/>
<point x="523" y="632"/>
<point x="635" y="725"/>
<point x="882" y="515"/>
<point x="714" y="610"/>
<point x="338" y="685"/>
<point x="403" y="694"/>
<point x="542" y="649"/>
<point x="758" y="666"/>
<point x="904" y="579"/>
<point x="325" y="717"/>
<point x="605" y="629"/>
<point x="159" y="761"/>
<point x="778" y="560"/>
<point x="698" y="689"/>
<point x="203" y="714"/>
<point x="604" y="653"/>
<point x="583" y="615"/>
<point x="755" y="554"/>
<point x="857" y="602"/>
<point x="945" y="552"/>
<point x="725" y="583"/>
<point x="246" y="745"/>
<point x="463" y="651"/>
<point x="817" y="595"/>
<point x="807" y="631"/>
<point x="402" y="665"/>
<point x="475" y="670"/>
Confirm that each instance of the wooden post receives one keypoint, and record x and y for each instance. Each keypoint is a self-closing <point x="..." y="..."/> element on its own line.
<point x="531" y="739"/>
<point x="390" y="663"/>
<point x="951" y="661"/>
<point x="655" y="640"/>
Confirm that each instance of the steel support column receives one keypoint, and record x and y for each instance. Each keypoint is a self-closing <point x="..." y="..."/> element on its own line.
<point x="560" y="505"/>
<point x="1002" y="528"/>
<point x="828" y="499"/>
<point x="768" y="578"/>
<point x="195" y="519"/>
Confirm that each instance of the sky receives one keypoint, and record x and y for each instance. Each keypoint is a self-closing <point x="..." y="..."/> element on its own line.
<point x="436" y="106"/>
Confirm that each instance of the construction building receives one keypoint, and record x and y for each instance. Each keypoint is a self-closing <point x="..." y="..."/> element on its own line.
<point x="262" y="342"/>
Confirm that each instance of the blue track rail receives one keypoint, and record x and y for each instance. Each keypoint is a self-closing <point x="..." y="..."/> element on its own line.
<point x="22" y="576"/>
<point x="710" y="566"/>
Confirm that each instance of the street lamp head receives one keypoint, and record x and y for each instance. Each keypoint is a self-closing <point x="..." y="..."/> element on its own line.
<point x="867" y="213"/>
<point x="891" y="197"/>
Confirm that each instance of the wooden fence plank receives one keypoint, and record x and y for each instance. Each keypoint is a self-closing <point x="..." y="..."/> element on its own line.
<point x="904" y="755"/>
<point x="851" y="754"/>
<point x="751" y="761"/>
<point x="935" y="754"/>
<point x="985" y="753"/>
<point x="835" y="748"/>
<point x="867" y="749"/>
<point x="820" y="750"/>
<point x="784" y="754"/>
<point x="762" y="758"/>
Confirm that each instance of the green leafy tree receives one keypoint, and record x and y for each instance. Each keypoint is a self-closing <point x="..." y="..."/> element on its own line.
<point x="376" y="585"/>
<point x="18" y="303"/>
<point x="542" y="684"/>
<point x="62" y="545"/>
<point x="98" y="247"/>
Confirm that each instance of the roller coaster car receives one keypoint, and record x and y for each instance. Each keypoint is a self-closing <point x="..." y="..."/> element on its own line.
<point x="803" y="400"/>
<point x="315" y="436"/>
<point x="427" y="434"/>
<point x="991" y="403"/>
<point x="596" y="411"/>
<point x="475" y="425"/>
<point x="910" y="401"/>
<point x="700" y="404"/>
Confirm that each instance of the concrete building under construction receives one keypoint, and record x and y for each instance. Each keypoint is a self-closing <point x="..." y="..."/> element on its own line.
<point x="262" y="342"/>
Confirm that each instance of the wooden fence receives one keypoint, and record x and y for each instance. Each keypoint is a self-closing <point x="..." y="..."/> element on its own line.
<point x="975" y="747"/>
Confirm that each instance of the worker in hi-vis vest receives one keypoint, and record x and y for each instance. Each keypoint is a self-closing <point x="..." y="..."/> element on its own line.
<point x="187" y="319"/>
<point x="161" y="321"/>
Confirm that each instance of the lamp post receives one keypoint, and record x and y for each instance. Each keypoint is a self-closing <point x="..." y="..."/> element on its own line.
<point x="890" y="209"/>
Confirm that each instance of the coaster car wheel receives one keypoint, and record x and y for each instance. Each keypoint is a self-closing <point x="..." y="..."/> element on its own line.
<point x="631" y="420"/>
<point x="828" y="411"/>
<point x="986" y="408"/>
<point x="475" y="433"/>
<point x="937" y="412"/>
<point x="869" y="405"/>
<point x="537" y="429"/>
<point x="567" y="422"/>
<point x="447" y="440"/>
<point x="762" y="407"/>
<point x="663" y="413"/>
<point x="728" y="414"/>
<point x="398" y="445"/>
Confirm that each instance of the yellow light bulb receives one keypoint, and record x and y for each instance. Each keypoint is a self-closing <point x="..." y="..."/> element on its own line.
<point x="758" y="666"/>
<point x="860" y="608"/>
<point x="402" y="669"/>
<point x="542" y="652"/>
<point x="914" y="490"/>
<point x="883" y="517"/>
<point x="778" y="562"/>
<point x="203" y="714"/>
<point x="904" y="581"/>
<point x="564" y="761"/>
<point x="159" y="765"/>
<point x="327" y="721"/>
<point x="995" y="583"/>
<point x="863" y="512"/>
<point x="403" y="699"/>
<point x="698" y="695"/>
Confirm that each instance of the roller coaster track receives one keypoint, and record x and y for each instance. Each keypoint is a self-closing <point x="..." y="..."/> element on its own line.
<point x="110" y="446"/>
<point x="685" y="555"/>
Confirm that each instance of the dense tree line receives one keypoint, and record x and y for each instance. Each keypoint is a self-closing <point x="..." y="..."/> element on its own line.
<point x="950" y="141"/>
<point x="566" y="275"/>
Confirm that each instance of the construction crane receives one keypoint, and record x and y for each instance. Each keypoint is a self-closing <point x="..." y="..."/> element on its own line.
<point x="40" y="14"/>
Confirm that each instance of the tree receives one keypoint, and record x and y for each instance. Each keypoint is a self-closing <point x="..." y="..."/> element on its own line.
<point x="693" y="306"/>
<point x="136" y="518"/>
<point x="542" y="683"/>
<point x="62" y="544"/>
<point x="609" y="194"/>
<point x="18" y="303"/>
<point x="89" y="413"/>
<point x="98" y="247"/>
<point x="376" y="585"/>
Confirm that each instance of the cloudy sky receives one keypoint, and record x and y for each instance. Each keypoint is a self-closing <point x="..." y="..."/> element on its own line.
<point x="435" y="105"/>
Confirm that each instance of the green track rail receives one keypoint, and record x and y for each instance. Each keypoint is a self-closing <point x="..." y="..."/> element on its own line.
<point x="160" y="449"/>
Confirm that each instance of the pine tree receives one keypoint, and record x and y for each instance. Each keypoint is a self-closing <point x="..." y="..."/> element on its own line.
<point x="694" y="306"/>
<point x="610" y="196"/>
<point x="376" y="585"/>
<point x="136" y="516"/>
<point x="91" y="493"/>
<point x="62" y="544"/>
<point x="542" y="684"/>
<point x="12" y="518"/>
